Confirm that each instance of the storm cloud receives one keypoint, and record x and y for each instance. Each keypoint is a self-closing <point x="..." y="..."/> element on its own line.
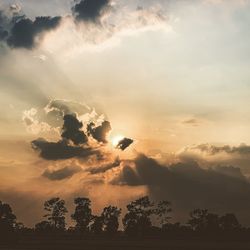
<point x="18" y="31"/>
<point x="90" y="10"/>
<point x="188" y="186"/>
<point x="61" y="150"/>
<point x="25" y="33"/>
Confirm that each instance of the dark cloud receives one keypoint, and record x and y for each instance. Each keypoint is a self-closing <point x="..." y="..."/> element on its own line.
<point x="193" y="122"/>
<point x="18" y="31"/>
<point x="211" y="149"/>
<point x="89" y="10"/>
<point x="61" y="150"/>
<point x="99" y="133"/>
<point x="60" y="174"/>
<point x="212" y="155"/>
<point x="25" y="32"/>
<point x="104" y="168"/>
<point x="188" y="186"/>
<point x="124" y="143"/>
<point x="72" y="130"/>
<point x="3" y="22"/>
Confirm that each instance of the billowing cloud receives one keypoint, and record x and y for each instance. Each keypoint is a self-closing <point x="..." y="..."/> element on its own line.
<point x="18" y="31"/>
<point x="212" y="155"/>
<point x="188" y="186"/>
<point x="72" y="130"/>
<point x="25" y="33"/>
<point x="100" y="132"/>
<point x="91" y="22"/>
<point x="89" y="10"/>
<point x="60" y="174"/>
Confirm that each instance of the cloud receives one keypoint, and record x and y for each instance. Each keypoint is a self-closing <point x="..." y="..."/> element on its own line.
<point x="193" y="122"/>
<point x="92" y="22"/>
<point x="104" y="168"/>
<point x="90" y="10"/>
<point x="209" y="149"/>
<point x="25" y="33"/>
<point x="124" y="143"/>
<point x="72" y="130"/>
<point x="213" y="155"/>
<point x="73" y="141"/>
<point x="51" y="117"/>
<point x="61" y="150"/>
<point x="3" y="32"/>
<point x="99" y="133"/>
<point x="18" y="31"/>
<point x="189" y="186"/>
<point x="60" y="174"/>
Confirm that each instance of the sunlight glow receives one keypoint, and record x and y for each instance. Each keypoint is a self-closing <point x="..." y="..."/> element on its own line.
<point x="116" y="139"/>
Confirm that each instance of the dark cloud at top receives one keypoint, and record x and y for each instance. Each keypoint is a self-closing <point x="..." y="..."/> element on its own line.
<point x="188" y="186"/>
<point x="18" y="31"/>
<point x="99" y="133"/>
<point x="89" y="10"/>
<point x="25" y="31"/>
<point x="72" y="130"/>
<point x="3" y="32"/>
<point x="124" y="143"/>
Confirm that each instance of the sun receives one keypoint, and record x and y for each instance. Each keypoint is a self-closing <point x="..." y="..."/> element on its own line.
<point x="116" y="139"/>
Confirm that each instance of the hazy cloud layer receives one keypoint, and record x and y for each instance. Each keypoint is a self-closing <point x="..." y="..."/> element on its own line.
<point x="60" y="174"/>
<point x="212" y="155"/>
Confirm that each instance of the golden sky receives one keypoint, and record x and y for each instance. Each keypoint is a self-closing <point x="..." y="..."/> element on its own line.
<point x="171" y="75"/>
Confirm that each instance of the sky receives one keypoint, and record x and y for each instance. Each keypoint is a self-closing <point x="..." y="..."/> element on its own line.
<point x="173" y="76"/>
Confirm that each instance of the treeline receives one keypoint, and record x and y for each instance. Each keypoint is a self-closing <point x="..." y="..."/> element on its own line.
<point x="142" y="218"/>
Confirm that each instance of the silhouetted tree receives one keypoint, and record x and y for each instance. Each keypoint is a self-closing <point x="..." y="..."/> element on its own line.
<point x="97" y="226"/>
<point x="7" y="218"/>
<point x="162" y="212"/>
<point x="229" y="222"/>
<point x="110" y="216"/>
<point x="83" y="214"/>
<point x="137" y="220"/>
<point x="201" y="220"/>
<point x="57" y="210"/>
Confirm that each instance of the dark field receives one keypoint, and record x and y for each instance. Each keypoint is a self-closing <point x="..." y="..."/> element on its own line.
<point x="124" y="244"/>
